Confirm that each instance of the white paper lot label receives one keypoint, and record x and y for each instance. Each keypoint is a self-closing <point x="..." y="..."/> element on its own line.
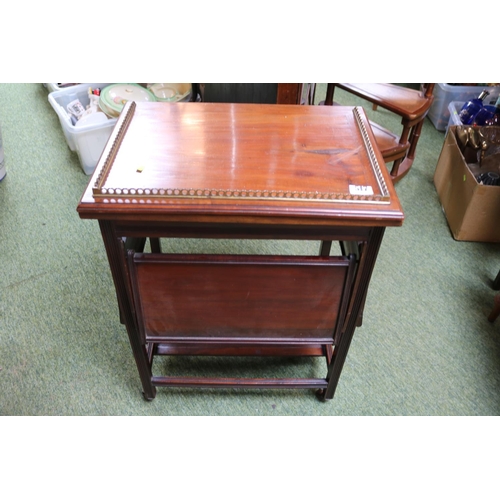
<point x="360" y="190"/>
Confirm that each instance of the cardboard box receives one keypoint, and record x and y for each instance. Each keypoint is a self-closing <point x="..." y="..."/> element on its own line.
<point x="472" y="209"/>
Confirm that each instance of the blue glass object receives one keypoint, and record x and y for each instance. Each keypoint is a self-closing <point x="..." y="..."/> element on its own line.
<point x="484" y="115"/>
<point x="471" y="108"/>
<point x="495" y="119"/>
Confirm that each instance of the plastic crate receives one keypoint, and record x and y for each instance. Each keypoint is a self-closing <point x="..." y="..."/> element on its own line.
<point x="88" y="141"/>
<point x="444" y="94"/>
<point x="453" y="110"/>
<point x="52" y="87"/>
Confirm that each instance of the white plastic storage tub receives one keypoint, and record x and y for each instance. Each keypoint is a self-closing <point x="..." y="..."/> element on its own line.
<point x="52" y="87"/>
<point x="444" y="94"/>
<point x="88" y="140"/>
<point x="453" y="110"/>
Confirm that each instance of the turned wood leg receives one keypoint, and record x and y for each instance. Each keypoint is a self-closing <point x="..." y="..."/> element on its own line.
<point x="330" y="89"/>
<point x="395" y="168"/>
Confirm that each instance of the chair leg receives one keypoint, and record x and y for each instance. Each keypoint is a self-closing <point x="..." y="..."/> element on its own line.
<point x="414" y="137"/>
<point x="495" y="312"/>
<point x="395" y="170"/>
<point x="401" y="167"/>
<point x="329" y="94"/>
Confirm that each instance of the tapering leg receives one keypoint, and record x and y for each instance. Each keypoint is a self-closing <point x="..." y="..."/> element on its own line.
<point x="115" y="249"/>
<point x="325" y="248"/>
<point x="155" y="245"/>
<point x="364" y="272"/>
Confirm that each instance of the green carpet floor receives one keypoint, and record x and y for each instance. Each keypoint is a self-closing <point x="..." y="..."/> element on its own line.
<point x="425" y="348"/>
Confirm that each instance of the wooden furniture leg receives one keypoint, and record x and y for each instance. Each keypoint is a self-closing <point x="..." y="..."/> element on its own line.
<point x="325" y="248"/>
<point x="155" y="245"/>
<point x="363" y="278"/>
<point x="115" y="250"/>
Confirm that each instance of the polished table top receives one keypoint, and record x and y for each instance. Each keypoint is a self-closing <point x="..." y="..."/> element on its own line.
<point x="243" y="160"/>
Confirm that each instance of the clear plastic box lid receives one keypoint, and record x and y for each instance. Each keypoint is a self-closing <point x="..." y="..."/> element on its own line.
<point x="114" y="97"/>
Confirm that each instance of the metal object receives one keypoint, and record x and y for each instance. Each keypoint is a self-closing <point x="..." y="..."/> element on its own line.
<point x="489" y="179"/>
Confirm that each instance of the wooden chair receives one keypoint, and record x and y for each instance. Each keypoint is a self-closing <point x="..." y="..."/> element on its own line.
<point x="263" y="93"/>
<point x="411" y="105"/>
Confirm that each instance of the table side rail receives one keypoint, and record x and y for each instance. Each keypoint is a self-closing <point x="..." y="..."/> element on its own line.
<point x="240" y="231"/>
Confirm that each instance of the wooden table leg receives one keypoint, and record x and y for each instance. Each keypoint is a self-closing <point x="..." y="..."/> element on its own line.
<point x="364" y="272"/>
<point x="115" y="252"/>
<point x="325" y="248"/>
<point x="155" y="245"/>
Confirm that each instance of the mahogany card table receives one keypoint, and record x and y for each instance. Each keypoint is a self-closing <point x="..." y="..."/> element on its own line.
<point x="241" y="171"/>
